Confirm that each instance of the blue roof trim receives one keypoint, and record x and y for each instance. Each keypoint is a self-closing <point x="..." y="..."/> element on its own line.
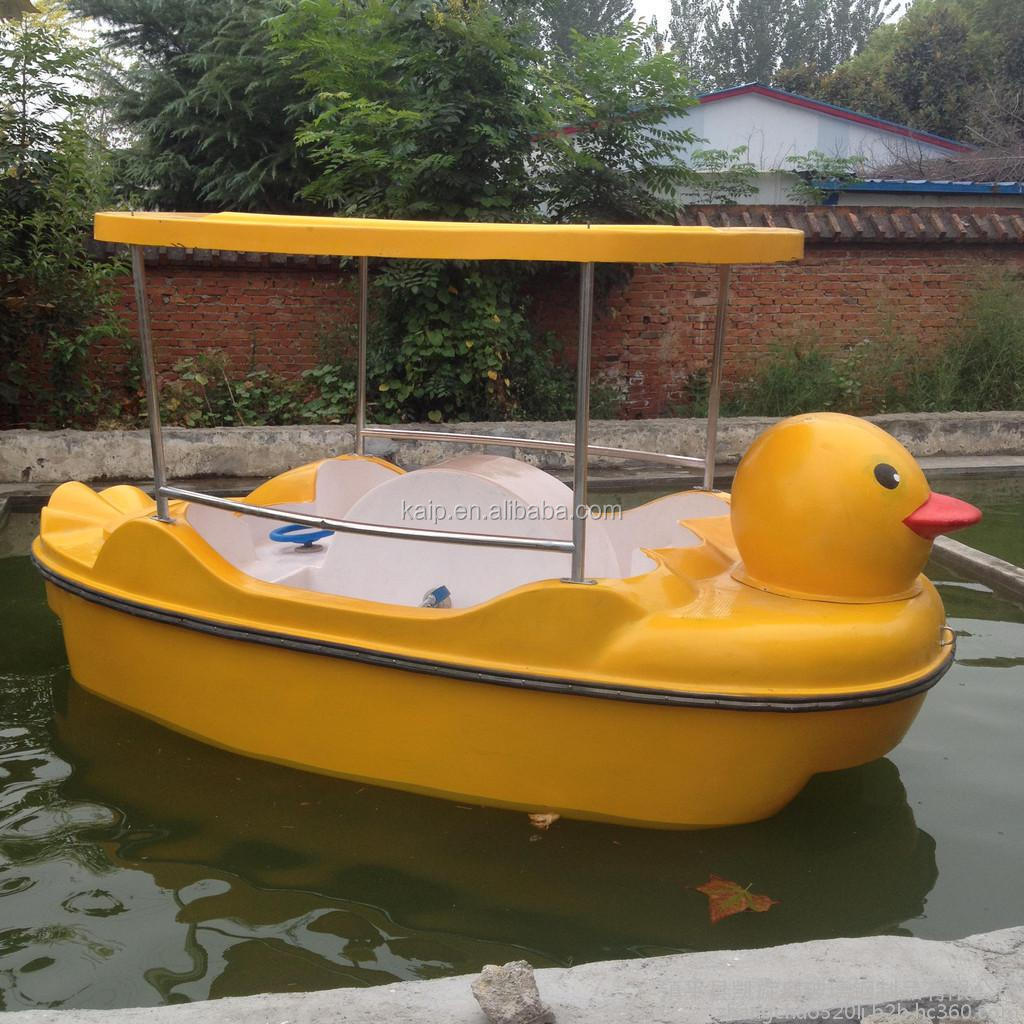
<point x="842" y="110"/>
<point x="991" y="188"/>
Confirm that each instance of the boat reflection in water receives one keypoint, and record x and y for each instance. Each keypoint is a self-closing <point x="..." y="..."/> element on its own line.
<point x="203" y="874"/>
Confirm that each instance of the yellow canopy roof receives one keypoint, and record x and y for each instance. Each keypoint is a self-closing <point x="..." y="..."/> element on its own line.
<point x="415" y="239"/>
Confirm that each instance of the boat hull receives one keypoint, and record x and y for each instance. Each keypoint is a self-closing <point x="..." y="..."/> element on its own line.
<point x="638" y="761"/>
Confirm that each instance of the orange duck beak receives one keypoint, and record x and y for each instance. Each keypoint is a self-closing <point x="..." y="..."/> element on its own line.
<point x="942" y="514"/>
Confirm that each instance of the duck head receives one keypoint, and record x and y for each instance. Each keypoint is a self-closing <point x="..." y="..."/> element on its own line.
<point x="831" y="507"/>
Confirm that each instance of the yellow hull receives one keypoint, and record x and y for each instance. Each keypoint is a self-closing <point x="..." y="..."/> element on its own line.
<point x="608" y="702"/>
<point x="581" y="757"/>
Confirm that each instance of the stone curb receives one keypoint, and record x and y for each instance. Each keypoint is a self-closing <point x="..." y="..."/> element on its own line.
<point x="845" y="980"/>
<point x="31" y="456"/>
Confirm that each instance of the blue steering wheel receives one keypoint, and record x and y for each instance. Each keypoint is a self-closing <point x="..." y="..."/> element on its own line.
<point x="296" y="533"/>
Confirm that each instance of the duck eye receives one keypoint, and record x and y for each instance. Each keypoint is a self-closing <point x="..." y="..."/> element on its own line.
<point x="887" y="476"/>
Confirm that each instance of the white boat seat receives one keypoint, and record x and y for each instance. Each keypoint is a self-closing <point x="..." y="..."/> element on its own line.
<point x="469" y="494"/>
<point x="657" y="525"/>
<point x="342" y="482"/>
<point x="245" y="541"/>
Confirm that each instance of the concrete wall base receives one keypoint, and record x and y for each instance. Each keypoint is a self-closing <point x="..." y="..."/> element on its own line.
<point x="977" y="978"/>
<point x="35" y="456"/>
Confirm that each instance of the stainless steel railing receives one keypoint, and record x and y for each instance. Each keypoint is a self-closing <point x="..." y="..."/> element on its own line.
<point x="368" y="529"/>
<point x="579" y="447"/>
<point x="529" y="444"/>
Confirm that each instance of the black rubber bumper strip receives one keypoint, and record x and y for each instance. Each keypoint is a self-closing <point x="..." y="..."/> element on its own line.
<point x="544" y="684"/>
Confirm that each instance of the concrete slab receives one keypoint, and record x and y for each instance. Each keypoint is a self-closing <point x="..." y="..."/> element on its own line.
<point x="32" y="456"/>
<point x="845" y="980"/>
<point x="978" y="565"/>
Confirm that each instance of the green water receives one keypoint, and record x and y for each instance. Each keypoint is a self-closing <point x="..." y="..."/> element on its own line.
<point x="1001" y="532"/>
<point x="138" y="867"/>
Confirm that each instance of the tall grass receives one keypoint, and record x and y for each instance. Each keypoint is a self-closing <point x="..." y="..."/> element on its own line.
<point x="984" y="367"/>
<point x="981" y="367"/>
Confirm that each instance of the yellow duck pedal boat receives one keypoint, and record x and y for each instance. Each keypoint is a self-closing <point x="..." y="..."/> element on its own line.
<point x="690" y="663"/>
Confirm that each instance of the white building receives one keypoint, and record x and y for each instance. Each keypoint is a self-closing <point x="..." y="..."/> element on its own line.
<point x="775" y="126"/>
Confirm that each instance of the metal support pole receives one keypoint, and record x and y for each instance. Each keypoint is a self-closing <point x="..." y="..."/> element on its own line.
<point x="364" y="315"/>
<point x="579" y="469"/>
<point x="156" y="440"/>
<point x="715" y="393"/>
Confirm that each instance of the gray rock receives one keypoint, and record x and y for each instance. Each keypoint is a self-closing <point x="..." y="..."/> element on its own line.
<point x="508" y="995"/>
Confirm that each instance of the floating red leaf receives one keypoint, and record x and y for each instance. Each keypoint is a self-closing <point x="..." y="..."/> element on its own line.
<point x="726" y="898"/>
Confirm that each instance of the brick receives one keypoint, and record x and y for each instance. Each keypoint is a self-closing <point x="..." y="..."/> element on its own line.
<point x="650" y="334"/>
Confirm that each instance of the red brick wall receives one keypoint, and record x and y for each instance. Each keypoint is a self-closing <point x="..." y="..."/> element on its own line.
<point x="272" y="317"/>
<point x="660" y="328"/>
<point x="649" y="336"/>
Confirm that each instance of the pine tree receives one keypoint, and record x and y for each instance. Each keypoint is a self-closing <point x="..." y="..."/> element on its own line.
<point x="591" y="18"/>
<point x="740" y="41"/>
<point x="843" y="28"/>
<point x="687" y="33"/>
<point x="754" y="39"/>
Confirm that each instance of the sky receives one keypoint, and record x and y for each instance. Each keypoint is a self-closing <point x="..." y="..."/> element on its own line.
<point x="659" y="8"/>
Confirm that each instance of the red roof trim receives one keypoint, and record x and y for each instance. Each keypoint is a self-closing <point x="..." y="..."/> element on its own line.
<point x="840" y="112"/>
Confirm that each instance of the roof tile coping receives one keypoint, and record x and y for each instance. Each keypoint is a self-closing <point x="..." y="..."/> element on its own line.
<point x="914" y="225"/>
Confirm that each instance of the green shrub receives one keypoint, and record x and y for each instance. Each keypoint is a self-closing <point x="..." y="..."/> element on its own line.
<point x="460" y="348"/>
<point x="444" y="110"/>
<point x="331" y="393"/>
<point x="796" y="378"/>
<point x="207" y="394"/>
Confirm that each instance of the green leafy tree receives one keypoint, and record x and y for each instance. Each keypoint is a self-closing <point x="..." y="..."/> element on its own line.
<point x="721" y="176"/>
<point x="56" y="301"/>
<point x="997" y="26"/>
<point x="754" y="39"/>
<point x="452" y="110"/>
<point x="624" y="162"/>
<point x="551" y="24"/>
<point x="209" y="111"/>
<point x="859" y="83"/>
<point x="426" y="111"/>
<point x="839" y="29"/>
<point x="936" y="68"/>
<point x="421" y="111"/>
<point x="996" y="121"/>
<point x="45" y="78"/>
